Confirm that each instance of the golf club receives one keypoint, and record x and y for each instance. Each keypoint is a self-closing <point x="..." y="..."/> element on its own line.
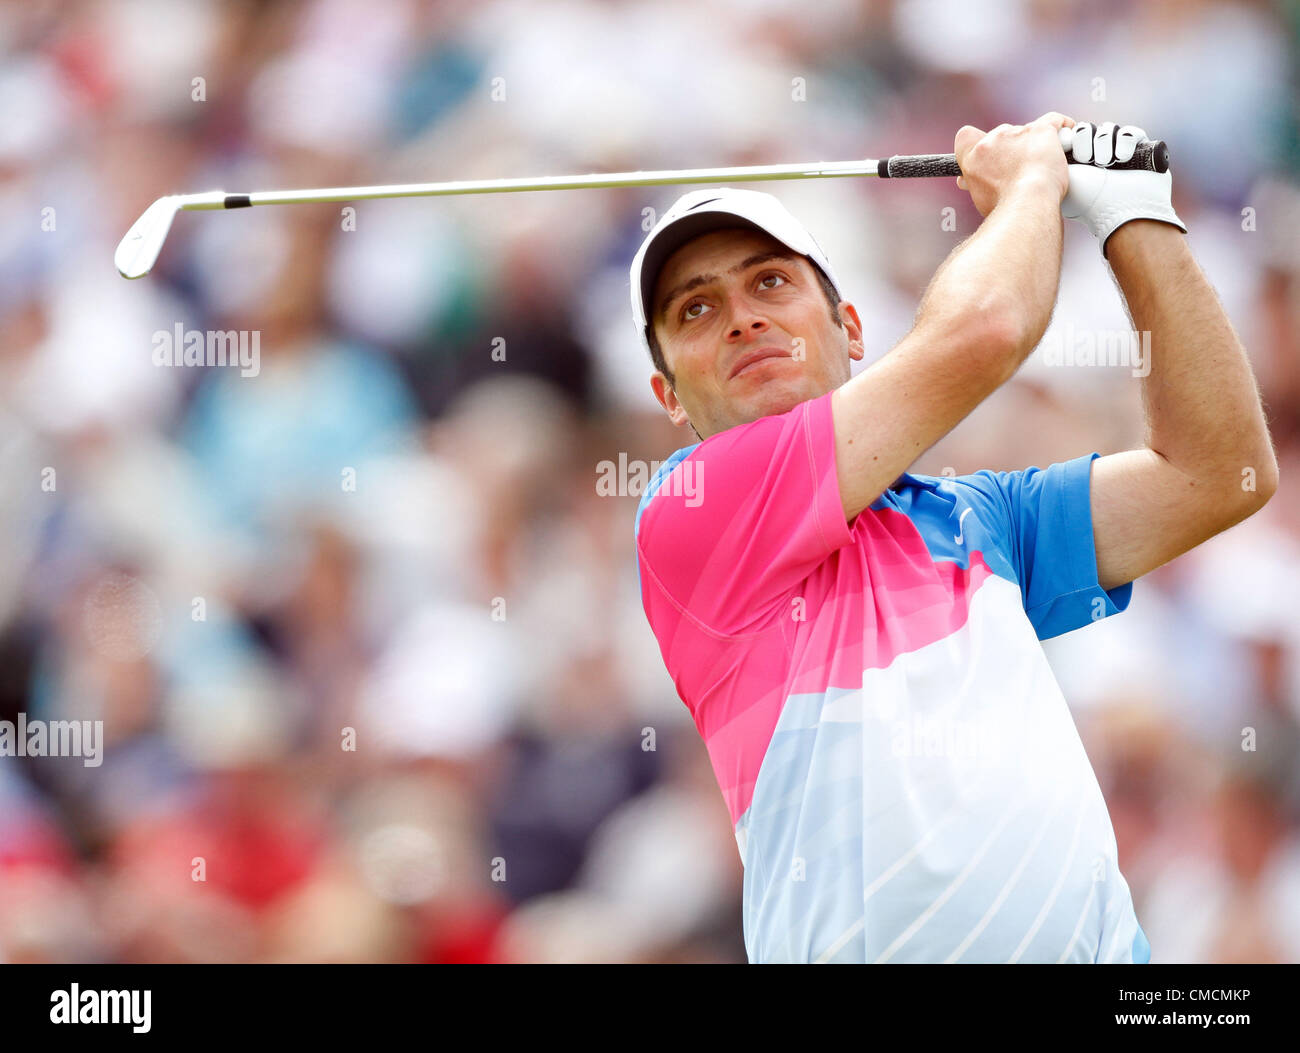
<point x="139" y="249"/>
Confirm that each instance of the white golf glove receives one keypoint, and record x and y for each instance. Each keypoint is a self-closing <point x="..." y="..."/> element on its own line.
<point x="1104" y="200"/>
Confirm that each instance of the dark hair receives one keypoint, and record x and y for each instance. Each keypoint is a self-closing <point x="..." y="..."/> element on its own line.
<point x="657" y="352"/>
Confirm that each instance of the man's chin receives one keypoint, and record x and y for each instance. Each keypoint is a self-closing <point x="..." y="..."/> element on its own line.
<point x="773" y="400"/>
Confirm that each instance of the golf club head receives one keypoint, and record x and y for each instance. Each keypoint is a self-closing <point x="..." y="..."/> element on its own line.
<point x="138" y="250"/>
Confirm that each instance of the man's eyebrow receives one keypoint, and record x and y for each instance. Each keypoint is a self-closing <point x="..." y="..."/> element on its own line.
<point x="704" y="279"/>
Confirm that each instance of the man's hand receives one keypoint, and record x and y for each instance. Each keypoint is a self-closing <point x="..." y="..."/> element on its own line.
<point x="994" y="163"/>
<point x="1104" y="200"/>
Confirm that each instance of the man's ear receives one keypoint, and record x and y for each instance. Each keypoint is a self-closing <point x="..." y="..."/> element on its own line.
<point x="668" y="398"/>
<point x="848" y="315"/>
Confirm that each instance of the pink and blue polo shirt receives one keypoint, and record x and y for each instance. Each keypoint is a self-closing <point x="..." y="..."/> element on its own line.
<point x="903" y="775"/>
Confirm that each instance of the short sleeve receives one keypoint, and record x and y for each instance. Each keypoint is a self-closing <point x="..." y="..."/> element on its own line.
<point x="725" y="532"/>
<point x="1050" y="544"/>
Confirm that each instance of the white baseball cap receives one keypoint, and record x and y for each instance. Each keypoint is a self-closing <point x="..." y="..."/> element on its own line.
<point x="701" y="212"/>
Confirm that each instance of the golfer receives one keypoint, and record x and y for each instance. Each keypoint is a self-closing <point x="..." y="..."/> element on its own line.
<point x="859" y="646"/>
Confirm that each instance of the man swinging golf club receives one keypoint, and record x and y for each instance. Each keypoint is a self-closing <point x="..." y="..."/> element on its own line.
<point x="859" y="646"/>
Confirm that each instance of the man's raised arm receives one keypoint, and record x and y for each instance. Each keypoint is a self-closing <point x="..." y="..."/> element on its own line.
<point x="985" y="310"/>
<point x="1208" y="462"/>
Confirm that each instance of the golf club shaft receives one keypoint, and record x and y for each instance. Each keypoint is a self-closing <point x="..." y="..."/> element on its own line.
<point x="139" y="248"/>
<point x="1148" y="155"/>
<point x="595" y="180"/>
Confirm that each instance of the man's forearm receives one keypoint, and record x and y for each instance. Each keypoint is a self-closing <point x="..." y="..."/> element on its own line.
<point x="1202" y="405"/>
<point x="1008" y="270"/>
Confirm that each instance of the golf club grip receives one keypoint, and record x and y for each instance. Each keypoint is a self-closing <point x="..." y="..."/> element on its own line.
<point x="1150" y="155"/>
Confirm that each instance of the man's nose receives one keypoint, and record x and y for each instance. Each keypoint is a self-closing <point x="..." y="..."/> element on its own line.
<point x="747" y="321"/>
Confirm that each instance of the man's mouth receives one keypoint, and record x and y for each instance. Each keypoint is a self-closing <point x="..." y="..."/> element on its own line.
<point x="757" y="355"/>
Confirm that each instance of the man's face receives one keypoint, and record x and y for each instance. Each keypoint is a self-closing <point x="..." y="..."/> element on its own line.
<point x="728" y="296"/>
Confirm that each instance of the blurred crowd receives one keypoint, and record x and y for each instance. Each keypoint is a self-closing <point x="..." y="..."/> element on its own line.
<point x="366" y="643"/>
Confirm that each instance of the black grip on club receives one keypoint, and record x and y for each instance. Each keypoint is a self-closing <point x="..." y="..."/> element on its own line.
<point x="918" y="166"/>
<point x="1150" y="155"/>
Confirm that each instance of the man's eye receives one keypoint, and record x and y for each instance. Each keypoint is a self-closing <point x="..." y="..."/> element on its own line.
<point x="686" y="311"/>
